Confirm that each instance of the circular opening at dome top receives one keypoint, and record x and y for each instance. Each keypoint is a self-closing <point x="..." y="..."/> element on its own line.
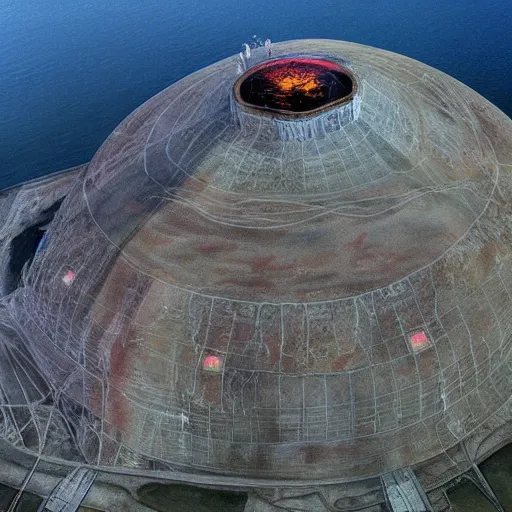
<point x="295" y="86"/>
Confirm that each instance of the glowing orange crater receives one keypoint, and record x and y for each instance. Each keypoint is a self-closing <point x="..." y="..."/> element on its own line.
<point x="295" y="78"/>
<point x="294" y="85"/>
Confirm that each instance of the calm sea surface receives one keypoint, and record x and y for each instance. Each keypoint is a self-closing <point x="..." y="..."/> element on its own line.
<point x="72" y="70"/>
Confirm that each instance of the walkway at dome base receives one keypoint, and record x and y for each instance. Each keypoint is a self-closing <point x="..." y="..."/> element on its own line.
<point x="308" y="300"/>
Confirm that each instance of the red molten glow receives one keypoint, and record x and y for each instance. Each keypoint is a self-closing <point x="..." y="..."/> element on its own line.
<point x="297" y="74"/>
<point x="292" y="62"/>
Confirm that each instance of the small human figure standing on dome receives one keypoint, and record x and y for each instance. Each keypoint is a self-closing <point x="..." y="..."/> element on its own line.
<point x="247" y="51"/>
<point x="268" y="47"/>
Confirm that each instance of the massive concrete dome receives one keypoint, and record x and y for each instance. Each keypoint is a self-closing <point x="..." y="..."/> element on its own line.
<point x="318" y="291"/>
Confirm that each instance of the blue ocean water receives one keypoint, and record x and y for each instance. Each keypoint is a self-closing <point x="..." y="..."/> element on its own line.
<point x="71" y="71"/>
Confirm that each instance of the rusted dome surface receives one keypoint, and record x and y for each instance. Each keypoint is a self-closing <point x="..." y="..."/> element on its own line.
<point x="267" y="301"/>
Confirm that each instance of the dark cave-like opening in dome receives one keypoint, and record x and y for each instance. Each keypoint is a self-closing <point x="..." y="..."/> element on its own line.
<point x="295" y="86"/>
<point x="25" y="245"/>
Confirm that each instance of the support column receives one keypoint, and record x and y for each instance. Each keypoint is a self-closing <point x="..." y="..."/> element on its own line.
<point x="404" y="492"/>
<point x="70" y="492"/>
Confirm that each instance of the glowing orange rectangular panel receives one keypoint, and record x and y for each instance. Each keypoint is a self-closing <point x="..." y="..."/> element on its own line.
<point x="68" y="278"/>
<point x="419" y="340"/>
<point x="212" y="364"/>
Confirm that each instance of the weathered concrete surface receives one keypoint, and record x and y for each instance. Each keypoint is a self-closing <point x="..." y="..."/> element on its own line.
<point x="359" y="303"/>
